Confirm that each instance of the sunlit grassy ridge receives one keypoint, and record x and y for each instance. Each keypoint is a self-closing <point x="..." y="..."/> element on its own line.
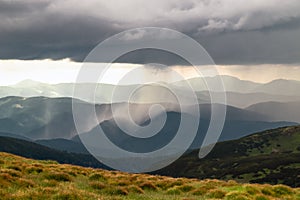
<point x="22" y="178"/>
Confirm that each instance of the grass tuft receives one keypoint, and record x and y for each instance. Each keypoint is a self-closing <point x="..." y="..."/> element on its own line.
<point x="58" y="176"/>
<point x="216" y="194"/>
<point x="34" y="170"/>
<point x="148" y="186"/>
<point x="135" y="189"/>
<point x="97" y="185"/>
<point x="252" y="190"/>
<point x="199" y="191"/>
<point x="97" y="177"/>
<point x="281" y="190"/>
<point x="237" y="196"/>
<point x="186" y="188"/>
<point x="117" y="191"/>
<point x="174" y="191"/>
<point x="261" y="197"/>
<point x="21" y="182"/>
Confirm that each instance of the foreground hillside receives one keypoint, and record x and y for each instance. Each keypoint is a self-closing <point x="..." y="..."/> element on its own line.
<point x="271" y="156"/>
<point x="22" y="178"/>
<point x="32" y="150"/>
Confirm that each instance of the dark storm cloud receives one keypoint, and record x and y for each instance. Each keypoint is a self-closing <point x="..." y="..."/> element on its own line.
<point x="233" y="32"/>
<point x="10" y="8"/>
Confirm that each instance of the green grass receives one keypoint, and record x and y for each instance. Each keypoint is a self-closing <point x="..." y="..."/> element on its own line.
<point x="22" y="179"/>
<point x="271" y="156"/>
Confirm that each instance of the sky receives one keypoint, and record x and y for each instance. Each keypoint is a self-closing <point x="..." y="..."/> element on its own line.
<point x="48" y="39"/>
<point x="66" y="71"/>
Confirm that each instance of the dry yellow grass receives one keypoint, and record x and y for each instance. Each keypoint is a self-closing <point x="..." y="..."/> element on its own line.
<point x="22" y="178"/>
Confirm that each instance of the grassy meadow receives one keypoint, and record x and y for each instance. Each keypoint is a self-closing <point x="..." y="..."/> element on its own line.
<point x="22" y="178"/>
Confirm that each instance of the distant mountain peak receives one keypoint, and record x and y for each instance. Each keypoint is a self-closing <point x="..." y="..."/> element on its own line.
<point x="27" y="82"/>
<point x="283" y="81"/>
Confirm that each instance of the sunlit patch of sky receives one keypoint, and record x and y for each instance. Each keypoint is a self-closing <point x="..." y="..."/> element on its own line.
<point x="63" y="71"/>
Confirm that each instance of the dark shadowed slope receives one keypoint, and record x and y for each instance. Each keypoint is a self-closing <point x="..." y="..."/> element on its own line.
<point x="11" y="135"/>
<point x="64" y="145"/>
<point x="272" y="156"/>
<point x="36" y="151"/>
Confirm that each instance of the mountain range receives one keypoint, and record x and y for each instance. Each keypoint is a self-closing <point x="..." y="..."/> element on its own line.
<point x="240" y="93"/>
<point x="40" y="118"/>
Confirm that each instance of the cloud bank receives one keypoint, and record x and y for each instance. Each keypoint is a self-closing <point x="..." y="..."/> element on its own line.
<point x="232" y="31"/>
